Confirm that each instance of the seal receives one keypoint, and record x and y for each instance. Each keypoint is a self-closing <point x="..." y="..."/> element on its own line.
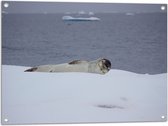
<point x="99" y="66"/>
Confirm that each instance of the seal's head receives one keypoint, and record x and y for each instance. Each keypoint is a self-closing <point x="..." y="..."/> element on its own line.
<point x="105" y="65"/>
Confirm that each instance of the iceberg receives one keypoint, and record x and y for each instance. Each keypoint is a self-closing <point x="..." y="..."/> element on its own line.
<point x="81" y="12"/>
<point x="129" y="14"/>
<point x="70" y="18"/>
<point x="118" y="96"/>
<point x="91" y="13"/>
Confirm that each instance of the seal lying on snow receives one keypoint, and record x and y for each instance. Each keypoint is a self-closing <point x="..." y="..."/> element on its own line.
<point x="99" y="66"/>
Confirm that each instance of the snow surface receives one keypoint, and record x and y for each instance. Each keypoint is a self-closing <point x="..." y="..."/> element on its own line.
<point x="118" y="96"/>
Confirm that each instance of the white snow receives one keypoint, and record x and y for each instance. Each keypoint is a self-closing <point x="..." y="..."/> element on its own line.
<point x="118" y="96"/>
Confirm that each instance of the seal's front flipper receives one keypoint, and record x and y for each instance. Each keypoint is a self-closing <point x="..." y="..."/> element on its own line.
<point x="77" y="62"/>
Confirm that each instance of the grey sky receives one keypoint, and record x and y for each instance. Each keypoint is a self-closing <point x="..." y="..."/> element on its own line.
<point x="57" y="7"/>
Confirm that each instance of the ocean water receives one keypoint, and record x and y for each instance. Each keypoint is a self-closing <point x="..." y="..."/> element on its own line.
<point x="136" y="43"/>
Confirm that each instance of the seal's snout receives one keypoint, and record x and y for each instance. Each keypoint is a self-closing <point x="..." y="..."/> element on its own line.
<point x="107" y="63"/>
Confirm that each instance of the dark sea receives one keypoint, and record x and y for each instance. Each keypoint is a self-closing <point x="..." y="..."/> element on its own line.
<point x="136" y="43"/>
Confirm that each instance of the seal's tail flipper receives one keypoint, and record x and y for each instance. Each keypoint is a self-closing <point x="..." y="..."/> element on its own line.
<point x="31" y="69"/>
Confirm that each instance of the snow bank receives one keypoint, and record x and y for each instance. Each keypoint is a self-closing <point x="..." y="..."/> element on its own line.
<point x="118" y="96"/>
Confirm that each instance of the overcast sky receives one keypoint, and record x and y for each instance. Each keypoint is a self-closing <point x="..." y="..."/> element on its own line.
<point x="57" y="7"/>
